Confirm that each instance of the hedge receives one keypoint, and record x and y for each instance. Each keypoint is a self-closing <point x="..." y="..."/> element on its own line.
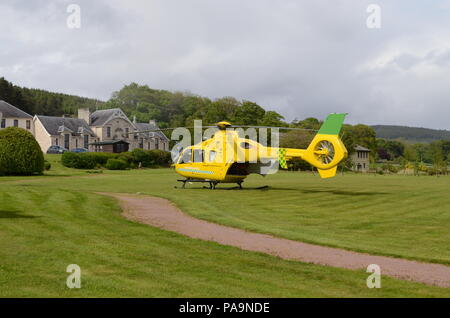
<point x="116" y="164"/>
<point x="20" y="154"/>
<point x="151" y="158"/>
<point x="90" y="160"/>
<point x="78" y="160"/>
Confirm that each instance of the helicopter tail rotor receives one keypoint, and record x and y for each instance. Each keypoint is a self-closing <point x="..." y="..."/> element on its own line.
<point x="327" y="150"/>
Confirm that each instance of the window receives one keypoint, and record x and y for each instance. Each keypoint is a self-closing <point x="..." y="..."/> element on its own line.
<point x="56" y="141"/>
<point x="67" y="141"/>
<point x="156" y="143"/>
<point x="28" y="124"/>
<point x="212" y="156"/>
<point x="198" y="155"/>
<point x="127" y="131"/>
<point x="187" y="156"/>
<point x="16" y="123"/>
<point x="246" y="145"/>
<point x="108" y="132"/>
<point x="76" y="143"/>
<point x="86" y="141"/>
<point x="141" y="143"/>
<point x="3" y="123"/>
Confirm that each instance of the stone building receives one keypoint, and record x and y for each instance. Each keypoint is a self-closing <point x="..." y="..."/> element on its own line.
<point x="111" y="125"/>
<point x="361" y="159"/>
<point x="66" y="132"/>
<point x="11" y="116"/>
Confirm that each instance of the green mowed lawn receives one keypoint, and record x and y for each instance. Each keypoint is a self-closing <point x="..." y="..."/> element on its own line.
<point x="402" y="216"/>
<point x="47" y="223"/>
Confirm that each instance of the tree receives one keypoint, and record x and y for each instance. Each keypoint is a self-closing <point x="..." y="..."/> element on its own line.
<point x="249" y="113"/>
<point x="272" y="119"/>
<point x="358" y="135"/>
<point x="308" y="123"/>
<point x="222" y="109"/>
<point x="299" y="139"/>
<point x="409" y="153"/>
<point x="389" y="149"/>
<point x="421" y="151"/>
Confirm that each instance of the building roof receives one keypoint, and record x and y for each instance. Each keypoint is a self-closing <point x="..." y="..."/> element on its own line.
<point x="10" y="111"/>
<point x="150" y="126"/>
<point x="100" y="117"/>
<point x="109" y="142"/>
<point x="361" y="148"/>
<point x="56" y="125"/>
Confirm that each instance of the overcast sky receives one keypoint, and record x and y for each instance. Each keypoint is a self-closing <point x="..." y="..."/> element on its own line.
<point x="300" y="58"/>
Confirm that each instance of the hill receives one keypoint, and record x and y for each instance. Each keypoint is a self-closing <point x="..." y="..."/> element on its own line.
<point x="411" y="134"/>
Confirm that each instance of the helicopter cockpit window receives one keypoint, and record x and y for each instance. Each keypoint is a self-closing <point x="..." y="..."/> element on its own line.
<point x="246" y="145"/>
<point x="212" y="156"/>
<point x="198" y="155"/>
<point x="187" y="156"/>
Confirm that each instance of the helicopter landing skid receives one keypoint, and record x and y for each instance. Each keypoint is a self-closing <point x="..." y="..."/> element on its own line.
<point x="212" y="184"/>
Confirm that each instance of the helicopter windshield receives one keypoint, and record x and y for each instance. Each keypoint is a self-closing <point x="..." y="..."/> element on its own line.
<point x="176" y="153"/>
<point x="186" y="157"/>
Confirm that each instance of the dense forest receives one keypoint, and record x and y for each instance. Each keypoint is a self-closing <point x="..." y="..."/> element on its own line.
<point x="411" y="134"/>
<point x="175" y="109"/>
<point x="37" y="101"/>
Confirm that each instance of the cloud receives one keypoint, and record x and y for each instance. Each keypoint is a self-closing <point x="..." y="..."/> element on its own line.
<point x="301" y="58"/>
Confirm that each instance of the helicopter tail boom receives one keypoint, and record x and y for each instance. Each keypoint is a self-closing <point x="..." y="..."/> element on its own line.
<point x="326" y="150"/>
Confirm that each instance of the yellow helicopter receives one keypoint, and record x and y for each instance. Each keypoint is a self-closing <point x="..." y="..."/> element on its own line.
<point x="228" y="158"/>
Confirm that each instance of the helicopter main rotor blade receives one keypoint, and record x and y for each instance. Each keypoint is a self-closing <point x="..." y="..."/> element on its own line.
<point x="165" y="129"/>
<point x="215" y="126"/>
<point x="272" y="127"/>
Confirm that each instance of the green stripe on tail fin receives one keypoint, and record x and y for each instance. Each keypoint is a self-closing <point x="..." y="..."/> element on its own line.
<point x="333" y="124"/>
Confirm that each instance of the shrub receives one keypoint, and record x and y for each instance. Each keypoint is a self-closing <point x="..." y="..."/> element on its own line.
<point x="160" y="157"/>
<point x="78" y="160"/>
<point x="126" y="156"/>
<point x="141" y="156"/>
<point x="20" y="154"/>
<point x="47" y="165"/>
<point x="150" y="158"/>
<point x="101" y="158"/>
<point x="116" y="164"/>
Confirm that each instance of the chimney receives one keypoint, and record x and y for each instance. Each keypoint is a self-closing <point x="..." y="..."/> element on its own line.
<point x="84" y="113"/>
<point x="134" y="119"/>
<point x="152" y="122"/>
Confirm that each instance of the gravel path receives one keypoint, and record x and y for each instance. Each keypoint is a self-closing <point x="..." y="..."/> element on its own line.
<point x="163" y="214"/>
